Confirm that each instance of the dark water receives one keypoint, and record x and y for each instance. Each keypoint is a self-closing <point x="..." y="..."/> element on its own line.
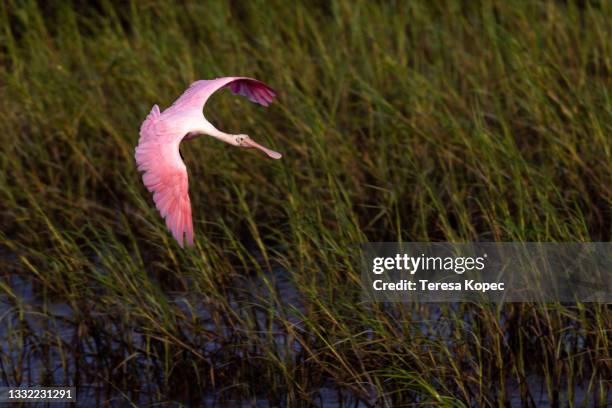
<point x="96" y="394"/>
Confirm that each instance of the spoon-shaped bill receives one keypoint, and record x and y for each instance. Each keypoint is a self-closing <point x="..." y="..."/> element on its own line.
<point x="251" y="143"/>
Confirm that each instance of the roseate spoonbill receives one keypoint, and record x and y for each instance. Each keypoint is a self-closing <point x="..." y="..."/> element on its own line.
<point x="158" y="155"/>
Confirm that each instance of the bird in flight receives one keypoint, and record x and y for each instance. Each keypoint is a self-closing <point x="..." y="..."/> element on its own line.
<point x="158" y="155"/>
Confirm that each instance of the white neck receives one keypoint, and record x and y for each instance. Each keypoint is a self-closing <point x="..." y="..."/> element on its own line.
<point x="207" y="128"/>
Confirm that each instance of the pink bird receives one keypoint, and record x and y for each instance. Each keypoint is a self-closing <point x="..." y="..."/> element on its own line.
<point x="158" y="155"/>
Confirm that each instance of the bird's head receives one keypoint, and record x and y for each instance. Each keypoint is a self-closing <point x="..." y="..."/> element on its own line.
<point x="246" y="142"/>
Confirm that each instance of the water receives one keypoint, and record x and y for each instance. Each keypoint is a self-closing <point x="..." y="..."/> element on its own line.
<point x="58" y="369"/>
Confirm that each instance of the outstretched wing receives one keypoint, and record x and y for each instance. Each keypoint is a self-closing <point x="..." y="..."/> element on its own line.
<point x="165" y="174"/>
<point x="198" y="93"/>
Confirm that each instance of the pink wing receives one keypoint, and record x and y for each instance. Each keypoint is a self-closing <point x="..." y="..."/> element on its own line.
<point x="165" y="174"/>
<point x="157" y="153"/>
<point x="198" y="93"/>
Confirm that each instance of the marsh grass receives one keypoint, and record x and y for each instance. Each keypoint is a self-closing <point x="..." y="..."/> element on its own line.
<point x="401" y="122"/>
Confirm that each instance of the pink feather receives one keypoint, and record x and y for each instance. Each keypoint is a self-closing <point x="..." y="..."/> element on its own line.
<point x="157" y="153"/>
